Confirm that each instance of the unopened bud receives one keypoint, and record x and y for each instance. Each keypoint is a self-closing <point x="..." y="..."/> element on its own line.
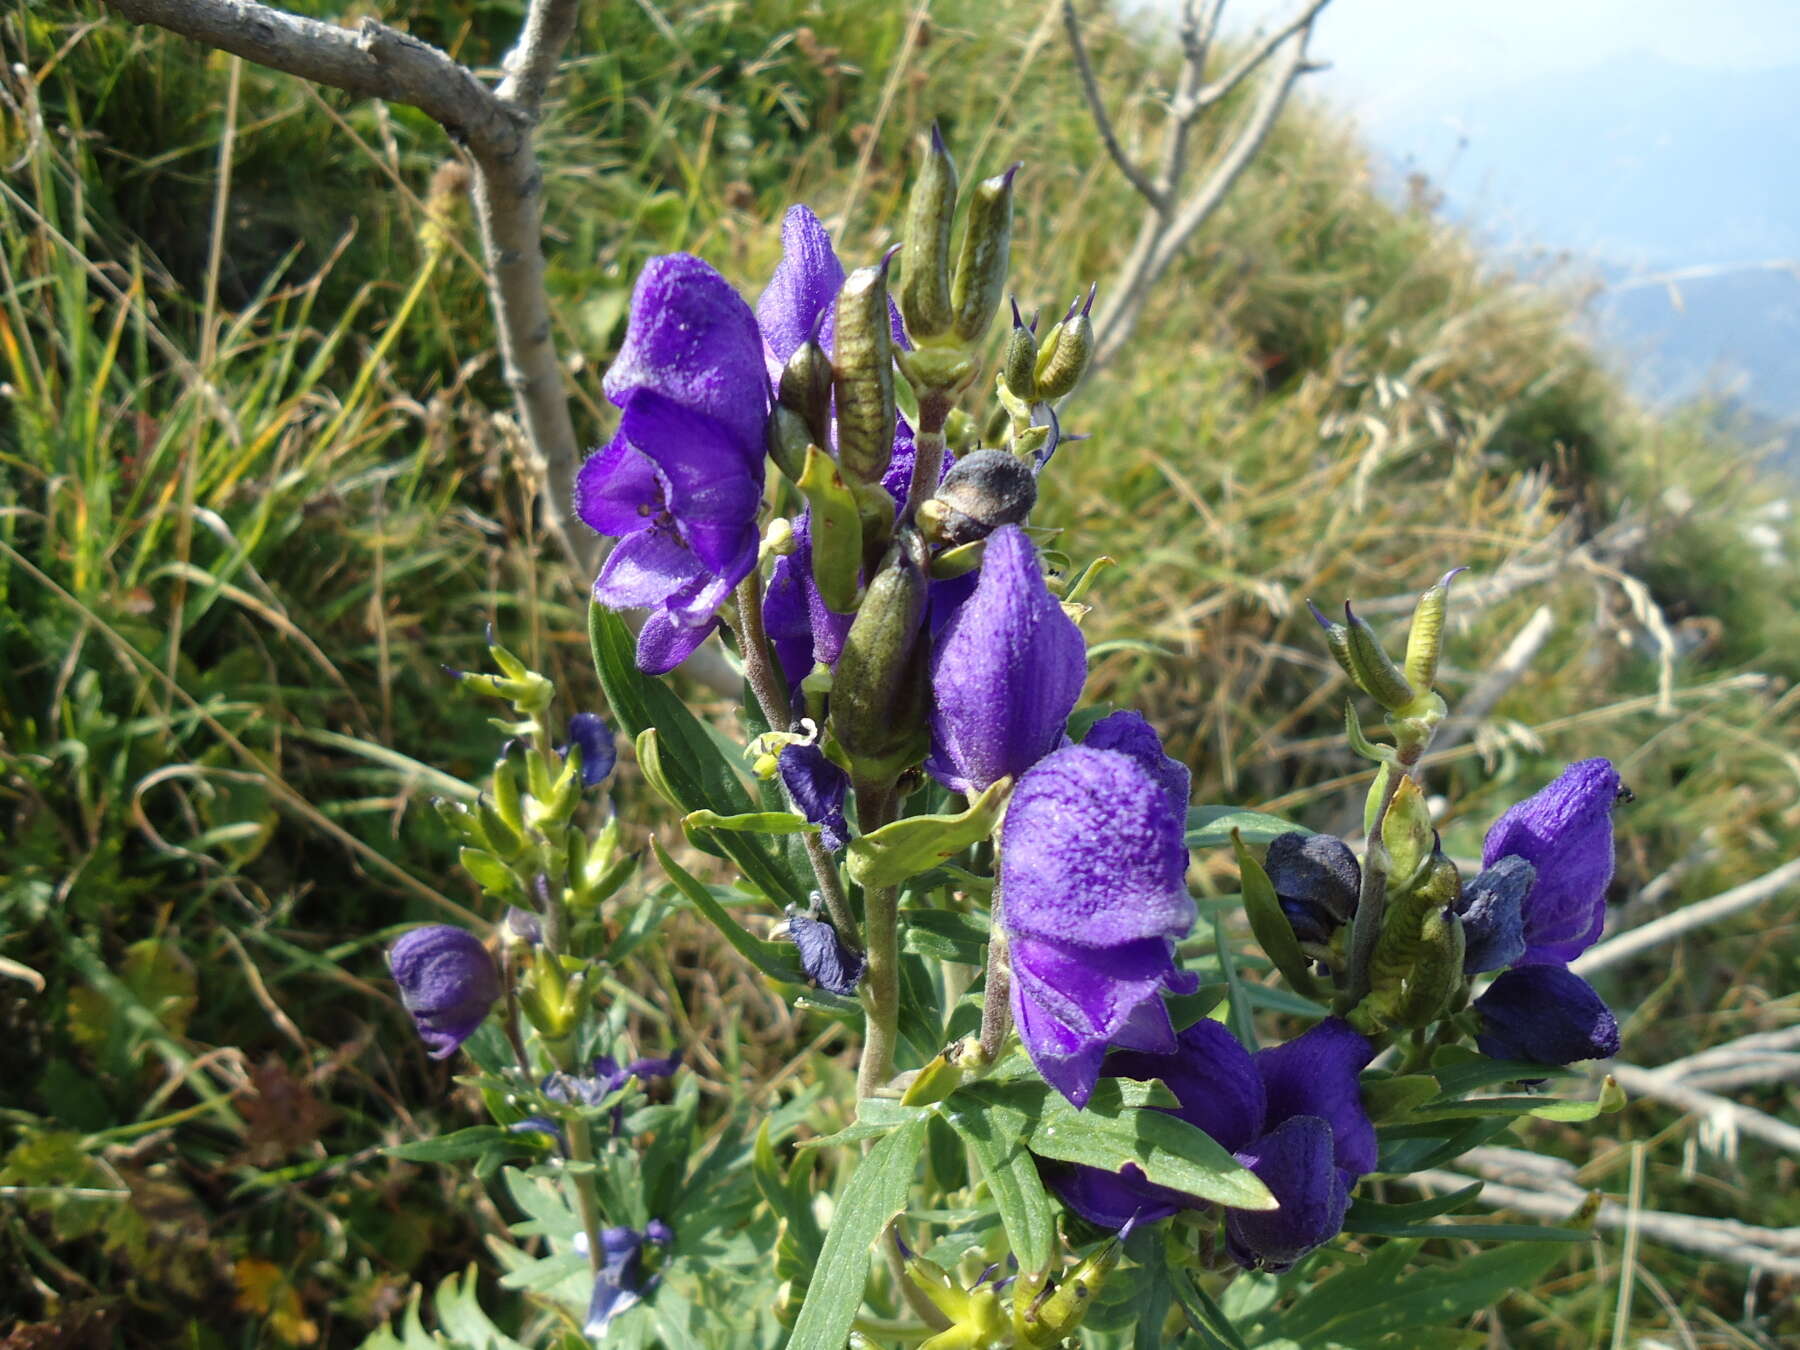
<point x="863" y="374"/>
<point x="983" y="491"/>
<point x="1426" y="638"/>
<point x="878" y="689"/>
<point x="982" y="262"/>
<point x="806" y="388"/>
<point x="779" y="538"/>
<point x="1374" y="669"/>
<point x="925" y="260"/>
<point x="1067" y="351"/>
<point x="1018" y="368"/>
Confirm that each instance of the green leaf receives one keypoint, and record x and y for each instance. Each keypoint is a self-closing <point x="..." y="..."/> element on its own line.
<point x="1269" y="922"/>
<point x="750" y="822"/>
<point x="696" y="771"/>
<point x="776" y="960"/>
<point x="469" y="1143"/>
<point x="944" y="935"/>
<point x="1388" y="1097"/>
<point x="1465" y="1071"/>
<point x="1544" y="1108"/>
<point x="1203" y="1314"/>
<point x="995" y="1133"/>
<point x="1470" y="1232"/>
<point x="907" y="848"/>
<point x="876" y="1193"/>
<point x="1239" y="1013"/>
<point x="1211" y="826"/>
<point x="1111" y="1132"/>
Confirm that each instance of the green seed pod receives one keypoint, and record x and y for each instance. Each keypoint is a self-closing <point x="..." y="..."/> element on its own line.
<point x="1373" y="669"/>
<point x="879" y="690"/>
<point x="806" y="388"/>
<point x="982" y="262"/>
<point x="1436" y="973"/>
<point x="1067" y="351"/>
<point x="837" y="535"/>
<point x="925" y="261"/>
<point x="787" y="436"/>
<point x="1426" y="638"/>
<point x="1019" y="366"/>
<point x="863" y="374"/>
<point x="1406" y="832"/>
<point x="1337" y="638"/>
<point x="1046" y="1320"/>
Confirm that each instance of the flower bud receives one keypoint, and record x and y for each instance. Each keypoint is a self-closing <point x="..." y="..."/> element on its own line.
<point x="878" y="688"/>
<point x="1374" y="669"/>
<point x="806" y="388"/>
<point x="984" y="490"/>
<point x="589" y="733"/>
<point x="1018" y="367"/>
<point x="1066" y="352"/>
<point x="863" y="374"/>
<point x="1426" y="637"/>
<point x="1317" y="881"/>
<point x="925" y="260"/>
<point x="982" y="262"/>
<point x="447" y="982"/>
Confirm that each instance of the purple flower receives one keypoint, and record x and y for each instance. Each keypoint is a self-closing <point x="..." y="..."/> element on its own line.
<point x="606" y="1076"/>
<point x="621" y="1283"/>
<point x="1317" y="880"/>
<point x="1565" y="833"/>
<point x="827" y="961"/>
<point x="447" y="982"/>
<point x="1547" y="1015"/>
<point x="818" y="788"/>
<point x="1293" y="1115"/>
<point x="598" y="754"/>
<point x="680" y="483"/>
<point x="1093" y="899"/>
<point x="800" y="299"/>
<point x="1005" y="673"/>
<point x="1493" y="914"/>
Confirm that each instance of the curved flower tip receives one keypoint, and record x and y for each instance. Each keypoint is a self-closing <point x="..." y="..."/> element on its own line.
<point x="1565" y="833"/>
<point x="1545" y="1015"/>
<point x="1294" y="1160"/>
<point x="1005" y="674"/>
<point x="589" y="732"/>
<point x="447" y="982"/>
<point x="806" y="281"/>
<point x="691" y="338"/>
<point x="1317" y="880"/>
<point x="1092" y="880"/>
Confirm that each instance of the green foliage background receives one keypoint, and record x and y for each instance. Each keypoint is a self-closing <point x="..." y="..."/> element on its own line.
<point x="254" y="490"/>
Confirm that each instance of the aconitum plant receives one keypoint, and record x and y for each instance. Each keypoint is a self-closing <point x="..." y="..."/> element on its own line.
<point x="1087" y="1110"/>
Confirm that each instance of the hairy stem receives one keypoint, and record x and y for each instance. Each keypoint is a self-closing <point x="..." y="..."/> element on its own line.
<point x="881" y="939"/>
<point x="587" y="1201"/>
<point x="928" y="450"/>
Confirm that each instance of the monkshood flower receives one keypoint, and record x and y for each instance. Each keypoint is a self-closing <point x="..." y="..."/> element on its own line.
<point x="1005" y="673"/>
<point x="589" y="732"/>
<point x="680" y="483"/>
<point x="1293" y="1115"/>
<point x="825" y="958"/>
<point x="798" y="302"/>
<point x="605" y="1077"/>
<point x="1565" y="833"/>
<point x="1317" y="880"/>
<point x="1093" y="899"/>
<point x="1492" y="908"/>
<point x="621" y="1282"/>
<point x="818" y="788"/>
<point x="447" y="982"/>
<point x="1546" y="1015"/>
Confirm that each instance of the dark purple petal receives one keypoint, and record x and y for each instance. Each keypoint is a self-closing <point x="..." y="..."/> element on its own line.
<point x="617" y="491"/>
<point x="1092" y="854"/>
<point x="1547" y="1015"/>
<point x="646" y="569"/>
<point x="1315" y="1074"/>
<point x="1316" y="879"/>
<point x="818" y="788"/>
<point x="1112" y="1199"/>
<point x="659" y="1232"/>
<point x="1294" y="1160"/>
<point x="805" y="284"/>
<point x="646" y="1069"/>
<point x="1068" y="1060"/>
<point x="620" y="1283"/>
<point x="1565" y="832"/>
<point x="692" y="339"/>
<point x="1130" y="734"/>
<point x="598" y="753"/>
<point x="1006" y="673"/>
<point x="712" y="495"/>
<point x="824" y="957"/>
<point x="787" y="617"/>
<point x="1213" y="1078"/>
<point x="664" y="644"/>
<point x="447" y="982"/>
<point x="1103" y="994"/>
<point x="1493" y="915"/>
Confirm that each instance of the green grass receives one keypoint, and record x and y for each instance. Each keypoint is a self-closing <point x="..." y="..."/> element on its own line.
<point x="253" y="493"/>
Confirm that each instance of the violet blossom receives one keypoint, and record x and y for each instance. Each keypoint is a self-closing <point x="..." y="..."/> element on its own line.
<point x="818" y="788"/>
<point x="1293" y="1115"/>
<point x="1093" y="898"/>
<point x="448" y="982"/>
<point x="621" y="1282"/>
<point x="1545" y="1015"/>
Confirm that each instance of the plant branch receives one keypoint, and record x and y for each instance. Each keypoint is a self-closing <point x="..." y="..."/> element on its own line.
<point x="1090" y="90"/>
<point x="1247" y="64"/>
<point x="1684" y="920"/>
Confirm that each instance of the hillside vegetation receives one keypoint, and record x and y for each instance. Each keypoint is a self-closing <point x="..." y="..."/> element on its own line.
<point x="257" y="485"/>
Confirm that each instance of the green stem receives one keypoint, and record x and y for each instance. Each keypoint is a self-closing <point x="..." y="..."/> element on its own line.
<point x="881" y="939"/>
<point x="587" y="1200"/>
<point x="928" y="450"/>
<point x="996" y="1006"/>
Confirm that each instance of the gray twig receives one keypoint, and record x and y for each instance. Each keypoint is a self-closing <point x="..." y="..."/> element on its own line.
<point x="1687" y="919"/>
<point x="1084" y="70"/>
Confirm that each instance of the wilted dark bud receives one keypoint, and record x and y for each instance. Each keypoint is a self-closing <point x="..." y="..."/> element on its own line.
<point x="1426" y="638"/>
<point x="1019" y="368"/>
<point x="1374" y="669"/>
<point x="1317" y="881"/>
<point x="863" y="374"/>
<point x="828" y="962"/>
<point x="983" y="491"/>
<point x="878" y="688"/>
<point x="837" y="534"/>
<point x="1493" y="914"/>
<point x="447" y="982"/>
<point x="589" y="733"/>
<point x="806" y="387"/>
<point x="1067" y="351"/>
<point x="925" y="261"/>
<point x="982" y="262"/>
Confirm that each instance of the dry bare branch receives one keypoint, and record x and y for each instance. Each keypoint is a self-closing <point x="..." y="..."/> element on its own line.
<point x="1686" y="919"/>
<point x="1084" y="70"/>
<point x="1721" y="1113"/>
